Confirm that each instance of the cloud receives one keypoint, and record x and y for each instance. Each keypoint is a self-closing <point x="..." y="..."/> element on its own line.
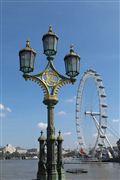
<point x="42" y="125"/>
<point x="71" y="100"/>
<point x="67" y="133"/>
<point x="2" y="115"/>
<point x="2" y="107"/>
<point x="115" y="120"/>
<point x="61" y="113"/>
<point x="8" y="109"/>
<point x="4" y="110"/>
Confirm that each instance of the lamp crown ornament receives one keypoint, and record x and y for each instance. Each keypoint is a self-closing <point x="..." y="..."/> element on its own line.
<point x="59" y="138"/>
<point x="28" y="43"/>
<point x="71" y="48"/>
<point x="59" y="133"/>
<point x="50" y="28"/>
<point x="41" y="138"/>
<point x="41" y="133"/>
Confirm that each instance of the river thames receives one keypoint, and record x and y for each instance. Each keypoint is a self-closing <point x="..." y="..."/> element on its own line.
<point x="27" y="170"/>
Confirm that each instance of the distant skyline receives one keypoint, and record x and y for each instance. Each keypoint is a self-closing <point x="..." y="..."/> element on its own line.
<point x="93" y="28"/>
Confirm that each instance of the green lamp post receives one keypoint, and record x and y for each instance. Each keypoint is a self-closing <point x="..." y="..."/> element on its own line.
<point x="50" y="81"/>
<point x="42" y="172"/>
<point x="60" y="168"/>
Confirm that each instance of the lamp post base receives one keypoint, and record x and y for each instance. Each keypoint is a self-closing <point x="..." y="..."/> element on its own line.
<point x="53" y="176"/>
<point x="42" y="174"/>
<point x="61" y="174"/>
<point x="41" y="177"/>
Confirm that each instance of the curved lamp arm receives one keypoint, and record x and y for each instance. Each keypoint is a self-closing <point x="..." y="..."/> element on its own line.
<point x="50" y="81"/>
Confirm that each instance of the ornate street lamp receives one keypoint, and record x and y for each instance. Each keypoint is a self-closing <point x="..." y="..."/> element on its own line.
<point x="72" y="63"/>
<point x="50" y="81"/>
<point x="50" y="40"/>
<point x="27" y="58"/>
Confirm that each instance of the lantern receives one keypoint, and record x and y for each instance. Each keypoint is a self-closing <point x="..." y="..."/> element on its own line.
<point x="50" y="43"/>
<point x="27" y="58"/>
<point x="72" y="63"/>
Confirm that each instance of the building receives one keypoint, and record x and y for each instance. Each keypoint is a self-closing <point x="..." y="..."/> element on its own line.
<point x="32" y="151"/>
<point x="118" y="145"/>
<point x="21" y="150"/>
<point x="8" y="149"/>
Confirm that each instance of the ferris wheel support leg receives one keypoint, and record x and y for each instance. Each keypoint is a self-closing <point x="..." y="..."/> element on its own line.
<point x="111" y="148"/>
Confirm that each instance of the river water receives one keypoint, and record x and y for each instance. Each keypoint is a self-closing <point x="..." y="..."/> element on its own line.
<point x="27" y="170"/>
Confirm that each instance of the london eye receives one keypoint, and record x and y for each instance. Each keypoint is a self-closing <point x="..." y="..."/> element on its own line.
<point x="91" y="121"/>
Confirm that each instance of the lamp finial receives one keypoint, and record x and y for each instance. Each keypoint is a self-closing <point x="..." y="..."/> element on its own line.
<point x="50" y="28"/>
<point x="27" y="43"/>
<point x="71" y="48"/>
<point x="59" y="133"/>
<point x="41" y="133"/>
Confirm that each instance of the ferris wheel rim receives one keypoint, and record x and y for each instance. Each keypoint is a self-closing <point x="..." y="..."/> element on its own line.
<point x="103" y="116"/>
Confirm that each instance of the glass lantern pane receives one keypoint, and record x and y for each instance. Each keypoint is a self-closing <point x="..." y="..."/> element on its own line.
<point x="27" y="59"/>
<point x="32" y="60"/>
<point x="72" y="66"/>
<point x="46" y="43"/>
<point x="78" y="66"/>
<point x="51" y="43"/>
<point x="75" y="66"/>
<point x="22" y="59"/>
<point x="68" y="66"/>
<point x="55" y="44"/>
<point x="65" y="67"/>
<point x="73" y="62"/>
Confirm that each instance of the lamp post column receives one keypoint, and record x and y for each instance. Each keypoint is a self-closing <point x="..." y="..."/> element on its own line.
<point x="42" y="172"/>
<point x="60" y="168"/>
<point x="51" y="140"/>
